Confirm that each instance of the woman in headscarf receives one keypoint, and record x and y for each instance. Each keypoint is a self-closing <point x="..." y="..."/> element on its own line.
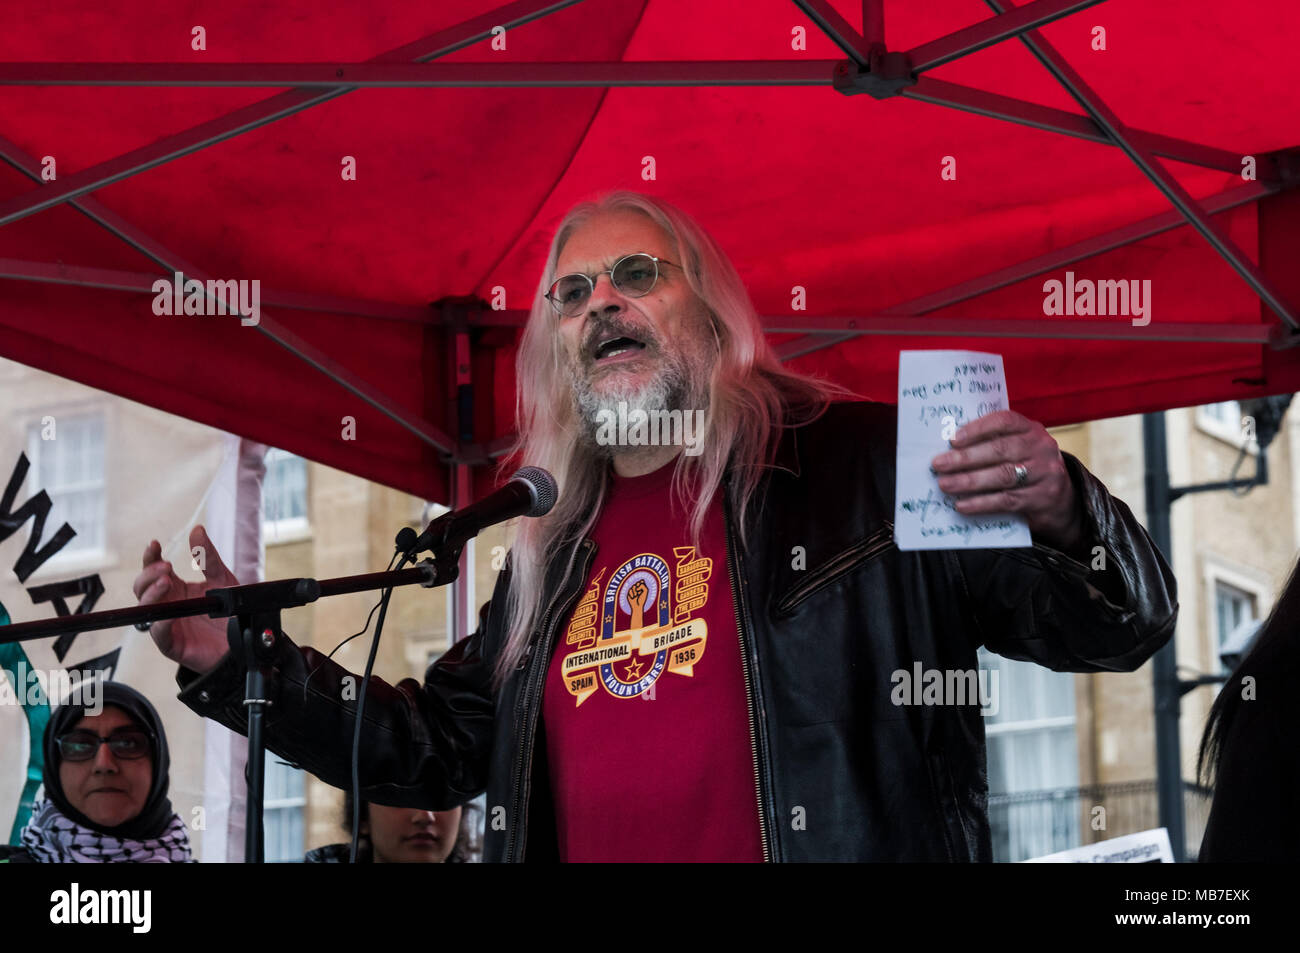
<point x="105" y="787"/>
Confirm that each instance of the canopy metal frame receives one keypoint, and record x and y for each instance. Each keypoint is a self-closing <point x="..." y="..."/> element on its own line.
<point x="870" y="68"/>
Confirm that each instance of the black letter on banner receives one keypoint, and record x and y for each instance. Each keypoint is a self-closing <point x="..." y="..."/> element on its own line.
<point x="38" y="507"/>
<point x="89" y="587"/>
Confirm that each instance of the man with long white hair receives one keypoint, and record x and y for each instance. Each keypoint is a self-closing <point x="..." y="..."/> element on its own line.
<point x="694" y="655"/>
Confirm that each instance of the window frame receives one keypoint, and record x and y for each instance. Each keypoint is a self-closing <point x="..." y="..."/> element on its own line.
<point x="1022" y="839"/>
<point x="277" y="805"/>
<point x="1229" y="434"/>
<point x="289" y="529"/>
<point x="1218" y="570"/>
<point x="67" y="561"/>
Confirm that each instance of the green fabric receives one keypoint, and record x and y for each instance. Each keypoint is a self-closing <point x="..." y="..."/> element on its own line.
<point x="38" y="715"/>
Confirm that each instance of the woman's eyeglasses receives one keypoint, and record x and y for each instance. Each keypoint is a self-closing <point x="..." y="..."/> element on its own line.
<point x="129" y="744"/>
<point x="632" y="275"/>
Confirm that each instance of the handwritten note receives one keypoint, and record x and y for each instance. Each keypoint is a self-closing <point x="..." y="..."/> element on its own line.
<point x="939" y="392"/>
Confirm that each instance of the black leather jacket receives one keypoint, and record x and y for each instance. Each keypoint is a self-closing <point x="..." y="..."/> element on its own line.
<point x="840" y="771"/>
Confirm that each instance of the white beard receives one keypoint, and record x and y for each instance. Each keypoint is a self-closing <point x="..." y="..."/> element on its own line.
<point x="676" y="386"/>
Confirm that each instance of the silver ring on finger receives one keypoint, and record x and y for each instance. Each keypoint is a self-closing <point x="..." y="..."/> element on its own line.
<point x="1022" y="475"/>
<point x="144" y="626"/>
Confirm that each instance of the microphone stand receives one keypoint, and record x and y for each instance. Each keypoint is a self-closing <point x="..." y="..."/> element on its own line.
<point x="254" y="614"/>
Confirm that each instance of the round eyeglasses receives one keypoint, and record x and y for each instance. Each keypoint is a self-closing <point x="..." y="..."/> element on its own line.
<point x="632" y="275"/>
<point x="128" y="744"/>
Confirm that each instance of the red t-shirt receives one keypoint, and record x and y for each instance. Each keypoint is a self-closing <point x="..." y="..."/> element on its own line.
<point x="647" y="729"/>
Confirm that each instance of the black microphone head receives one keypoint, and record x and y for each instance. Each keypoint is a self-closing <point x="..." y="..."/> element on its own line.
<point x="406" y="539"/>
<point x="541" y="485"/>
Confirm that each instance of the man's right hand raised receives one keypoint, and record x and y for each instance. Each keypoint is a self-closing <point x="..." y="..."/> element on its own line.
<point x="196" y="642"/>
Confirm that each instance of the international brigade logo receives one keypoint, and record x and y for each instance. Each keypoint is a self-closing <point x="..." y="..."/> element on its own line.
<point x="627" y="630"/>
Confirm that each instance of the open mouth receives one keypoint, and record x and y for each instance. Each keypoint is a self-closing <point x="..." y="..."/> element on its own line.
<point x="614" y="346"/>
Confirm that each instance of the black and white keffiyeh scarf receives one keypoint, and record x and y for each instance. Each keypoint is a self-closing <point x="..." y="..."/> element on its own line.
<point x="59" y="832"/>
<point x="52" y="838"/>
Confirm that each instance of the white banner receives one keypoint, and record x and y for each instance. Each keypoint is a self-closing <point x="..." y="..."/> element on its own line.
<point x="117" y="474"/>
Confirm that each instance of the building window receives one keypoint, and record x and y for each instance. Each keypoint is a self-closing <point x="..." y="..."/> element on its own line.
<point x="67" y="461"/>
<point x="1232" y="607"/>
<point x="1226" y="413"/>
<point x="1224" y="420"/>
<point x="1235" y="594"/>
<point x="284" y="496"/>
<point x="282" y="812"/>
<point x="1032" y="746"/>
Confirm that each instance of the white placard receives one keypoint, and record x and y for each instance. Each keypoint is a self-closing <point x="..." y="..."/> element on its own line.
<point x="938" y="392"/>
<point x="1146" y="847"/>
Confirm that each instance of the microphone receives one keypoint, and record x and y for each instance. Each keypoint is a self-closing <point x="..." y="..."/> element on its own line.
<point x="531" y="491"/>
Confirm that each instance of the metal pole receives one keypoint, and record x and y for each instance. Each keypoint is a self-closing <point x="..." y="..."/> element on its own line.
<point x="984" y="34"/>
<point x="291" y="342"/>
<point x="1160" y="177"/>
<point x="827" y="19"/>
<point x="460" y="597"/>
<point x="461" y="422"/>
<point x="873" y="23"/>
<point x="1057" y="258"/>
<point x="254" y="832"/>
<point x="451" y="40"/>
<point x="1164" y="675"/>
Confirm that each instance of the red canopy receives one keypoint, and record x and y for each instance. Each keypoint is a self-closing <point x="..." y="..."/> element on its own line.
<point x="226" y="163"/>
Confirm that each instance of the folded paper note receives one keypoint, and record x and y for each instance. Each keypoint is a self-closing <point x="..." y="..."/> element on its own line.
<point x="939" y="392"/>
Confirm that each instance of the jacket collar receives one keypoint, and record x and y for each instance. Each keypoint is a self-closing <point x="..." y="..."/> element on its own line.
<point x="787" y="452"/>
<point x="786" y="457"/>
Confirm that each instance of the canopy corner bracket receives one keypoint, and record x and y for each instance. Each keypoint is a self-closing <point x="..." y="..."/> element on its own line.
<point x="1287" y="163"/>
<point x="1281" y="337"/>
<point x="459" y="311"/>
<point x="887" y="75"/>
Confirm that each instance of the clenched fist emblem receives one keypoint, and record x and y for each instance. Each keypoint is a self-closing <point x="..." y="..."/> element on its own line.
<point x="638" y="594"/>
